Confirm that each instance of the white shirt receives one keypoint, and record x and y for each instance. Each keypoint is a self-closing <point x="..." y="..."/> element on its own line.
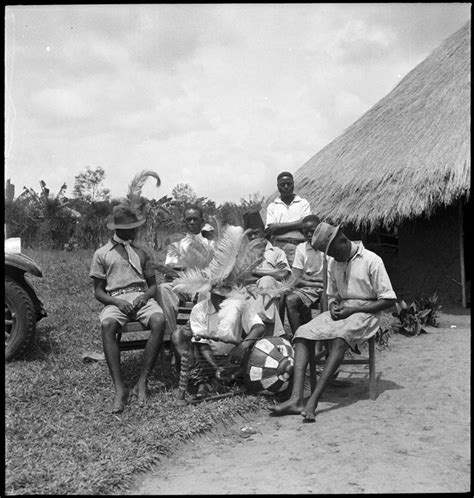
<point x="274" y="255"/>
<point x="362" y="277"/>
<point x="180" y="247"/>
<point x="280" y="212"/>
<point x="206" y="324"/>
<point x="308" y="259"/>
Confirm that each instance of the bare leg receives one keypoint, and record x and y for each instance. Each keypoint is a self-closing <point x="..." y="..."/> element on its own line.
<point x="293" y="309"/>
<point x="312" y="365"/>
<point x="152" y="348"/>
<point x="336" y="355"/>
<point x="294" y="404"/>
<point x="112" y="355"/>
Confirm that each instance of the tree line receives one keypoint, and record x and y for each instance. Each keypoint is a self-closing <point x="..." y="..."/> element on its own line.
<point x="45" y="220"/>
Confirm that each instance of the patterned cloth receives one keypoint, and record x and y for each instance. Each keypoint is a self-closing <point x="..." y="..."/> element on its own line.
<point x="362" y="279"/>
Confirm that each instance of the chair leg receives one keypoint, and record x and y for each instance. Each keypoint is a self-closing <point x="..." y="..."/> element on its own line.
<point x="372" y="380"/>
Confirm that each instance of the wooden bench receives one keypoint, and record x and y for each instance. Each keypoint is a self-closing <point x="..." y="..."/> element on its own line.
<point x="184" y="310"/>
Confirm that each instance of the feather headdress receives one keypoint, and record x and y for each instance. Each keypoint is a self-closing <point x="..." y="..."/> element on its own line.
<point x="232" y="262"/>
<point x="134" y="192"/>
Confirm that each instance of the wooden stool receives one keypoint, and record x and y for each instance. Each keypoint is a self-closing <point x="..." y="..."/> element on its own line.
<point x="363" y="361"/>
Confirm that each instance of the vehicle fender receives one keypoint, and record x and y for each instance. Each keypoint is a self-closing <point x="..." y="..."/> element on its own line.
<point x="22" y="262"/>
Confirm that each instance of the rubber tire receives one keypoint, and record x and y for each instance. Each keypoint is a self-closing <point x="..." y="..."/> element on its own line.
<point x="23" y="330"/>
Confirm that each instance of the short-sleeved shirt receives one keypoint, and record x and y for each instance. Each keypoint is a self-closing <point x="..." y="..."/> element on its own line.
<point x="362" y="277"/>
<point x="272" y="257"/>
<point x="309" y="260"/>
<point x="206" y="322"/>
<point x="280" y="212"/>
<point x="180" y="247"/>
<point x="110" y="263"/>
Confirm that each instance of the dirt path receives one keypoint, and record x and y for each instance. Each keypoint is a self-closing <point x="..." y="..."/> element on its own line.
<point x="415" y="437"/>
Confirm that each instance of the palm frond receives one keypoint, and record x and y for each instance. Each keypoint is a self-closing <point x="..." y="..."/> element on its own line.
<point x="196" y="255"/>
<point x="225" y="254"/>
<point x="250" y="255"/>
<point x="136" y="185"/>
<point x="191" y="281"/>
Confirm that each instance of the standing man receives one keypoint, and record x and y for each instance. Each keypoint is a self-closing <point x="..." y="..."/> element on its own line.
<point x="124" y="281"/>
<point x="179" y="257"/>
<point x="285" y="215"/>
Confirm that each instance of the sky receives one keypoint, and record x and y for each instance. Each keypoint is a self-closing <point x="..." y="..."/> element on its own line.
<point x="222" y="97"/>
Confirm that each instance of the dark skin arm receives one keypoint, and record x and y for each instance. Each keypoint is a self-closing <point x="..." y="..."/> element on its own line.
<point x="238" y="353"/>
<point x="282" y="228"/>
<point x="304" y="280"/>
<point x="339" y="312"/>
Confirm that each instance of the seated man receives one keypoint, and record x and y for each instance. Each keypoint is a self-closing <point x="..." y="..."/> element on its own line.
<point x="124" y="280"/>
<point x="267" y="275"/>
<point x="308" y="270"/>
<point x="193" y="247"/>
<point x="221" y="338"/>
<point x="359" y="289"/>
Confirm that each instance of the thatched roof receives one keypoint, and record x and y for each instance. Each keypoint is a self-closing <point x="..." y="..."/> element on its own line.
<point x="407" y="155"/>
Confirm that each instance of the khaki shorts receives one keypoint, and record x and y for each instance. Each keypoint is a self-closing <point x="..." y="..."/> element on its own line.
<point x="143" y="314"/>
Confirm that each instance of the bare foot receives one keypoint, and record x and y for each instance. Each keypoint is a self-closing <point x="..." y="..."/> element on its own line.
<point x="309" y="413"/>
<point x="141" y="391"/>
<point x="289" y="407"/>
<point x="120" y="399"/>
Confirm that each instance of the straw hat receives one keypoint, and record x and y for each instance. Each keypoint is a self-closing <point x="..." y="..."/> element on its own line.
<point x="123" y="218"/>
<point x="207" y="228"/>
<point x="323" y="235"/>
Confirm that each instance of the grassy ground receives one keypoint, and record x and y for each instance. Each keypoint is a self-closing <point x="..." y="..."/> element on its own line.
<point x="60" y="439"/>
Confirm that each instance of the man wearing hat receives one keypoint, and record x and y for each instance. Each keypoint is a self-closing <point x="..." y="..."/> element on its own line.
<point x="285" y="215"/>
<point x="124" y="281"/>
<point x="359" y="289"/>
<point x="267" y="275"/>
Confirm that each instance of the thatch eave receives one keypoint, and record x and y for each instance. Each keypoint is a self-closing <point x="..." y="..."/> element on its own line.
<point x="407" y="155"/>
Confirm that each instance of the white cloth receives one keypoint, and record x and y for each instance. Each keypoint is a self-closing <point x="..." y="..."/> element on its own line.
<point x="362" y="279"/>
<point x="180" y="247"/>
<point x="274" y="257"/>
<point x="133" y="257"/>
<point x="280" y="212"/>
<point x="205" y="322"/>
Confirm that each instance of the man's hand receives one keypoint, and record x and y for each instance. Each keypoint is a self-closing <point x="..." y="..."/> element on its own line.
<point x="237" y="354"/>
<point x="124" y="306"/>
<point x="139" y="302"/>
<point x="341" y="312"/>
<point x="268" y="232"/>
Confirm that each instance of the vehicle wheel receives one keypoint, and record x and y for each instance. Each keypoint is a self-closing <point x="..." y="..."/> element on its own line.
<point x="20" y="319"/>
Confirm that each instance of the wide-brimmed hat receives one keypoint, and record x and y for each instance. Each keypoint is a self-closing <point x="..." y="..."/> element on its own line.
<point x="253" y="221"/>
<point x="323" y="235"/>
<point x="207" y="228"/>
<point x="123" y="218"/>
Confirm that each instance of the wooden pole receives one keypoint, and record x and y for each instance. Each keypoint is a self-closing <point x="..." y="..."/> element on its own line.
<point x="461" y="255"/>
<point x="324" y="296"/>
